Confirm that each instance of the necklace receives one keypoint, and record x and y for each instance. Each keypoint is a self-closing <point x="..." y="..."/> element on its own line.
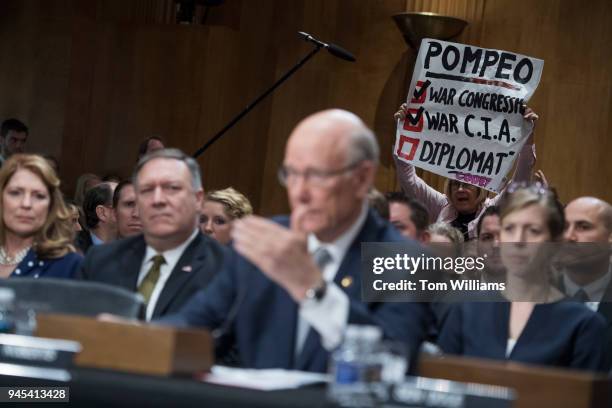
<point x="6" y="259"/>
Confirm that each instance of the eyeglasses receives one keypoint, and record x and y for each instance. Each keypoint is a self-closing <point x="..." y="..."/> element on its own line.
<point x="315" y="177"/>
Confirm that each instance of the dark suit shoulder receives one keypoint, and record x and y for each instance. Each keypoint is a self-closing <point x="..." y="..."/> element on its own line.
<point x="573" y="313"/>
<point x="116" y="247"/>
<point x="204" y="246"/>
<point x="103" y="258"/>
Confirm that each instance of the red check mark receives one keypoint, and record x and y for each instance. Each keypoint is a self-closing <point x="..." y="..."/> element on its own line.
<point x="420" y="91"/>
<point x="414" y="120"/>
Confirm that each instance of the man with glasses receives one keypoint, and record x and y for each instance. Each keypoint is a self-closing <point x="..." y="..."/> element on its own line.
<point x="289" y="295"/>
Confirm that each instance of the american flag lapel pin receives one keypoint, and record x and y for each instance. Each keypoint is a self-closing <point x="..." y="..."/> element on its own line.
<point x="186" y="268"/>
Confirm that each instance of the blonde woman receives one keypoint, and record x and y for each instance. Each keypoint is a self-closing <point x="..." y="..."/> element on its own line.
<point x="219" y="210"/>
<point x="531" y="322"/>
<point x="36" y="227"/>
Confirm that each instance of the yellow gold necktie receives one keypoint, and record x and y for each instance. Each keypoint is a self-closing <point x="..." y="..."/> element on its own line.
<point x="150" y="280"/>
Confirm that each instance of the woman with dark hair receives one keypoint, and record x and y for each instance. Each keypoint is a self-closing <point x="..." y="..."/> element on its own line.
<point x="36" y="227"/>
<point x="531" y="322"/>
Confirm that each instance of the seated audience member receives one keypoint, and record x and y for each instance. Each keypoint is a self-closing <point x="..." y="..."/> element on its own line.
<point x="220" y="209"/>
<point x="36" y="230"/>
<point x="13" y="137"/>
<point x="149" y="145"/>
<point x="84" y="183"/>
<point x="289" y="296"/>
<point x="172" y="259"/>
<point x="488" y="229"/>
<point x="443" y="233"/>
<point x="377" y="201"/>
<point x="126" y="211"/>
<point x="99" y="217"/>
<point x="409" y="216"/>
<point x="587" y="277"/>
<point x="533" y="323"/>
<point x="461" y="204"/>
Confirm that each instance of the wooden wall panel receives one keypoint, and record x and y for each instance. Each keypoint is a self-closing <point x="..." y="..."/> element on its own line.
<point x="94" y="77"/>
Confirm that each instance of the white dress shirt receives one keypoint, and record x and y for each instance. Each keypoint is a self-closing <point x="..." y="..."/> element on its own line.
<point x="329" y="315"/>
<point x="594" y="290"/>
<point x="171" y="257"/>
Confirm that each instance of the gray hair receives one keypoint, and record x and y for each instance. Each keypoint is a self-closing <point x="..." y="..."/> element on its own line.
<point x="446" y="230"/>
<point x="174" y="154"/>
<point x="363" y="146"/>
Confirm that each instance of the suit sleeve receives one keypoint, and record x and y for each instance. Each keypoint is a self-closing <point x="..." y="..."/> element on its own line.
<point x="590" y="347"/>
<point x="72" y="266"/>
<point x="450" y="339"/>
<point x="213" y="306"/>
<point x="400" y="321"/>
<point x="85" y="271"/>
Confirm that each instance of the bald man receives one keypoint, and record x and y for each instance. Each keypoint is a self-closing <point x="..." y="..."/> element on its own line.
<point x="588" y="275"/>
<point x="589" y="224"/>
<point x="294" y="285"/>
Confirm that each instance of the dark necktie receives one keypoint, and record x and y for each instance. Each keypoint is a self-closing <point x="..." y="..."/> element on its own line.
<point x="321" y="257"/>
<point x="150" y="280"/>
<point x="581" y="296"/>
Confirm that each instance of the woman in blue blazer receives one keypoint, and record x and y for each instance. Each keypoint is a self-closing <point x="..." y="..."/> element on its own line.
<point x="532" y="322"/>
<point x="36" y="231"/>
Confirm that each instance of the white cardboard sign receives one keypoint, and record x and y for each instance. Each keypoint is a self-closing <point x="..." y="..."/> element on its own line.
<point x="465" y="117"/>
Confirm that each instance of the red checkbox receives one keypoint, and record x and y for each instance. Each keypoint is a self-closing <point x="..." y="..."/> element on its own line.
<point x="409" y="126"/>
<point x="400" y="149"/>
<point x="422" y="96"/>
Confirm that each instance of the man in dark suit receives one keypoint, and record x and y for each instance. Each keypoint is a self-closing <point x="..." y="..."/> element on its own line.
<point x="171" y="260"/>
<point x="99" y="217"/>
<point x="294" y="285"/>
<point x="587" y="276"/>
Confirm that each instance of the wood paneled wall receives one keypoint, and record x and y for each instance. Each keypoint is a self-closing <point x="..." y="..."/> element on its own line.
<point x="93" y="78"/>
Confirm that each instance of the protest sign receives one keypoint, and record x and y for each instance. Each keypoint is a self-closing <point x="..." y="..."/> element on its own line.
<point x="465" y="116"/>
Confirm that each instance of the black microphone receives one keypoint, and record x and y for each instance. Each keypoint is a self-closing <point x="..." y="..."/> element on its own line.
<point x="333" y="49"/>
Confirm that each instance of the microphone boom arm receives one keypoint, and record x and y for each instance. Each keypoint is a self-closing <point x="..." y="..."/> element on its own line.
<point x="257" y="100"/>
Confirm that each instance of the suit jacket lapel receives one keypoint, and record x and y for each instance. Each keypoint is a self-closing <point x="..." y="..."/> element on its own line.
<point x="350" y="268"/>
<point x="190" y="261"/>
<point x="130" y="265"/>
<point x="605" y="306"/>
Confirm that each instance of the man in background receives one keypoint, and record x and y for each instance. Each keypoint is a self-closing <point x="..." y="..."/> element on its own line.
<point x="171" y="259"/>
<point x="101" y="226"/>
<point x="13" y="138"/>
<point x="126" y="211"/>
<point x="409" y="216"/>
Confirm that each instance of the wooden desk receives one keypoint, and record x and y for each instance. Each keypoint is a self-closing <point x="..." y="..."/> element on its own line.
<point x="144" y="349"/>
<point x="536" y="386"/>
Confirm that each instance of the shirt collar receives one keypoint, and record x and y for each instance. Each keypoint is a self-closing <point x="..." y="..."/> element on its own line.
<point x="338" y="248"/>
<point x="595" y="290"/>
<point x="95" y="239"/>
<point x="171" y="256"/>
